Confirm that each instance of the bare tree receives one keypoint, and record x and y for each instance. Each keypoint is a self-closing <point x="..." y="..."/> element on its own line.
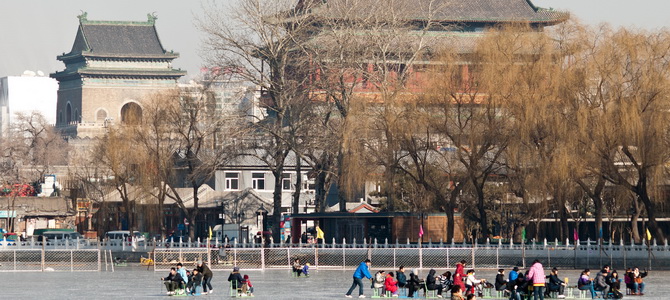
<point x="91" y="181"/>
<point x="262" y="42"/>
<point x="43" y="146"/>
<point x="202" y="141"/>
<point x="30" y="149"/>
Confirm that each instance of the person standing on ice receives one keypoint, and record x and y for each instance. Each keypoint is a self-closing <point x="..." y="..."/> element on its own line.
<point x="207" y="277"/>
<point x="363" y="270"/>
<point x="536" y="276"/>
<point x="182" y="272"/>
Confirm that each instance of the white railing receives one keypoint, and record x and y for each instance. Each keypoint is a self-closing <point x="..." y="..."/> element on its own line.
<point x="35" y="260"/>
<point x="422" y="258"/>
<point x="144" y="245"/>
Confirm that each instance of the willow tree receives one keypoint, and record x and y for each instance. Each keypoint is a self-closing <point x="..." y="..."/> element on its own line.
<point x="156" y="137"/>
<point x="526" y="69"/>
<point x="621" y="109"/>
<point x="120" y="160"/>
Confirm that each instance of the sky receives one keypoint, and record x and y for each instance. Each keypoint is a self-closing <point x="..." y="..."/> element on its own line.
<point x="34" y="32"/>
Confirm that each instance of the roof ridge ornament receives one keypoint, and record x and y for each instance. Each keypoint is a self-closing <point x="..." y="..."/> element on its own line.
<point x="83" y="17"/>
<point x="151" y="18"/>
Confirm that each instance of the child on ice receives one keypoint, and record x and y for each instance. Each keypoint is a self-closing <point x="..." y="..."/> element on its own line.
<point x="250" y="287"/>
<point x="305" y="269"/>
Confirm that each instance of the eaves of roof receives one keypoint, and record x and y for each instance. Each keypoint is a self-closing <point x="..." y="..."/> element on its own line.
<point x="97" y="72"/>
<point x="87" y="54"/>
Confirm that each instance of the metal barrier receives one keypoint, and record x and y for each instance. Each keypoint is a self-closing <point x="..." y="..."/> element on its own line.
<point x="30" y="260"/>
<point x="422" y="258"/>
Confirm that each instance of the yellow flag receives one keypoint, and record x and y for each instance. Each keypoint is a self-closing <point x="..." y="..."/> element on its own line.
<point x="319" y="233"/>
<point x="210" y="232"/>
<point x="648" y="235"/>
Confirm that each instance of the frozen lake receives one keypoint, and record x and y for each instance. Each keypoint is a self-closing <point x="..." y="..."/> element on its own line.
<point x="136" y="282"/>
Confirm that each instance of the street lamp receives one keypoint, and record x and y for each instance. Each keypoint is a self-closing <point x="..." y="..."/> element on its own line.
<point x="261" y="213"/>
<point x="260" y="218"/>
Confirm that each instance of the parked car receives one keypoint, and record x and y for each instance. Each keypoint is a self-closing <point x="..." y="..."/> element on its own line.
<point x="124" y="235"/>
<point x="9" y="239"/>
<point x="61" y="237"/>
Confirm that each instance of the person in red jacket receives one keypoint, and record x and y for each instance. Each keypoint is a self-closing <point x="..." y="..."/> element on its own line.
<point x="391" y="285"/>
<point x="459" y="275"/>
<point x="250" y="287"/>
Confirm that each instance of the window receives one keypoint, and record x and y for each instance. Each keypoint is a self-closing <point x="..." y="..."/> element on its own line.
<point x="101" y="115"/>
<point x="131" y="113"/>
<point x="68" y="113"/>
<point x="232" y="181"/>
<point x="258" y="181"/>
<point x="286" y="182"/>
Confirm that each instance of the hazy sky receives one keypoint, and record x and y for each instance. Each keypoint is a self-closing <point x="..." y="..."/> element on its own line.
<point x="34" y="32"/>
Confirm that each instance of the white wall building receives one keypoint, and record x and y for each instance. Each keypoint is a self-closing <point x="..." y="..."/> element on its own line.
<point x="25" y="94"/>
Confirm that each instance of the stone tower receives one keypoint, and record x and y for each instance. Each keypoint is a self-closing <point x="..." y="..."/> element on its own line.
<point x="111" y="68"/>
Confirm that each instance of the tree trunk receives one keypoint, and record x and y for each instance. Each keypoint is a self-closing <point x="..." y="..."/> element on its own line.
<point x="450" y="223"/>
<point x="598" y="205"/>
<point x="192" y="216"/>
<point x="389" y="175"/>
<point x="451" y="205"/>
<point x="341" y="184"/>
<point x="195" y="211"/>
<point x="650" y="207"/>
<point x="320" y="190"/>
<point x="563" y="232"/>
<point x="481" y="208"/>
<point x="161" y="214"/>
<point x="11" y="219"/>
<point x="298" y="184"/>
<point x="635" y="233"/>
<point x="276" y="207"/>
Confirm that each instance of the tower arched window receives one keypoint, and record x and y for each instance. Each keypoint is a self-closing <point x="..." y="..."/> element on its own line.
<point x="101" y="115"/>
<point x="68" y="114"/>
<point x="131" y="113"/>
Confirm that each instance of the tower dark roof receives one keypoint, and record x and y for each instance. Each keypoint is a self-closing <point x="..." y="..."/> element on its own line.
<point x="117" y="38"/>
<point x="109" y="38"/>
<point x="126" y="41"/>
<point x="484" y="11"/>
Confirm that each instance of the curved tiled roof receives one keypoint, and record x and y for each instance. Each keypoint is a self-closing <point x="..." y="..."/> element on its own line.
<point x="103" y="37"/>
<point x="444" y="10"/>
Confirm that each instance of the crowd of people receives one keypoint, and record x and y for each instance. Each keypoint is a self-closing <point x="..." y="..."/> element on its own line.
<point x="196" y="282"/>
<point x="534" y="284"/>
<point x="462" y="285"/>
<point x="607" y="282"/>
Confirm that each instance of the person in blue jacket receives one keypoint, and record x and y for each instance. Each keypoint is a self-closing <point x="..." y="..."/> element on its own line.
<point x="363" y="270"/>
<point x="182" y="272"/>
<point x="513" y="274"/>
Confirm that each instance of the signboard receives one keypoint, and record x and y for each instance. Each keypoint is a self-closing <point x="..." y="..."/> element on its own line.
<point x="83" y="205"/>
<point x="7" y="214"/>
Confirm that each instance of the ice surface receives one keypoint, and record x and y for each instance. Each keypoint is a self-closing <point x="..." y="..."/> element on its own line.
<point x="135" y="282"/>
